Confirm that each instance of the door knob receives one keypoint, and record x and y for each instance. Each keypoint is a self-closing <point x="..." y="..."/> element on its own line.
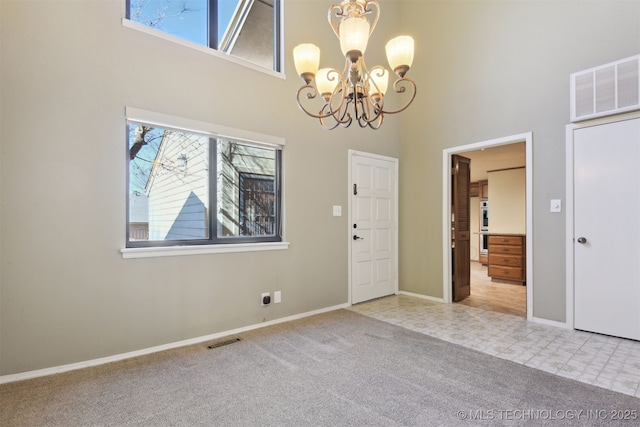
<point x="357" y="237"/>
<point x="582" y="240"/>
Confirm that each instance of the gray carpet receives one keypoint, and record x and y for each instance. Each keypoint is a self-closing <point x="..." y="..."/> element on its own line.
<point x="334" y="369"/>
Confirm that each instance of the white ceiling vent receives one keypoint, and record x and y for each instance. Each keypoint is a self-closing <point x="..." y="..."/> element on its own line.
<point x="608" y="89"/>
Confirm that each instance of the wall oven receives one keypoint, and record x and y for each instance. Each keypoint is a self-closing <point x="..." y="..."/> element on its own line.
<point x="484" y="226"/>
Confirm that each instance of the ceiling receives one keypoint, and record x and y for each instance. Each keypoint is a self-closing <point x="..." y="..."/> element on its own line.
<point x="495" y="158"/>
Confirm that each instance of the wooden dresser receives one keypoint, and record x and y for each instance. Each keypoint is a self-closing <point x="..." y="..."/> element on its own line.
<point x="507" y="257"/>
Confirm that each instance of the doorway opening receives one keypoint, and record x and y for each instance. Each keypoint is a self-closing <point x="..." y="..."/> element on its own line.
<point x="503" y="156"/>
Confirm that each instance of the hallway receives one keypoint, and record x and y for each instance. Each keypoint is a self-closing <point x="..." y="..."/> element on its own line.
<point x="508" y="298"/>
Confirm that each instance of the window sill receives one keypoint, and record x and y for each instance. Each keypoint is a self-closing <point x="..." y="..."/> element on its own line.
<point x="174" y="39"/>
<point x="131" y="253"/>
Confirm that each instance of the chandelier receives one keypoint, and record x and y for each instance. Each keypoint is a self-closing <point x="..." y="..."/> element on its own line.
<point x="358" y="92"/>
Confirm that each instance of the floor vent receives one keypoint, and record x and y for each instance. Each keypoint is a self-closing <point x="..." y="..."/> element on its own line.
<point x="605" y="90"/>
<point x="223" y="343"/>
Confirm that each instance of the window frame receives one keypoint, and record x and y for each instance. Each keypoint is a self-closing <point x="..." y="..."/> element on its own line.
<point x="214" y="244"/>
<point x="277" y="69"/>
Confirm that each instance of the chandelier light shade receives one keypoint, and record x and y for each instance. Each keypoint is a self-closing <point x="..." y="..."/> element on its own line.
<point x="354" y="36"/>
<point x="356" y="93"/>
<point x="400" y="54"/>
<point x="307" y="60"/>
<point x="326" y="81"/>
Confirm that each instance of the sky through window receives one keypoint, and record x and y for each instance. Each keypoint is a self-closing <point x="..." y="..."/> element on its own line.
<point x="183" y="18"/>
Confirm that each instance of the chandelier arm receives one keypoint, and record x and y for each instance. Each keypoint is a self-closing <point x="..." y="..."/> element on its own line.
<point x="345" y="117"/>
<point x="333" y="22"/>
<point x="341" y="115"/>
<point x="370" y="120"/>
<point x="309" y="96"/>
<point x="363" y="117"/>
<point x="376" y="16"/>
<point x="357" y="101"/>
<point x="326" y="126"/>
<point x="375" y="125"/>
<point x="401" y="89"/>
<point x="379" y="70"/>
<point x="341" y="91"/>
<point x="368" y="111"/>
<point x="312" y="95"/>
<point x="371" y="104"/>
<point x="372" y="111"/>
<point x="353" y="8"/>
<point x="344" y="121"/>
<point x="340" y="112"/>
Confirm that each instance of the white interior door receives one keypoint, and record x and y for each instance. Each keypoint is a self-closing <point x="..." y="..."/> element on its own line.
<point x="374" y="246"/>
<point x="606" y="231"/>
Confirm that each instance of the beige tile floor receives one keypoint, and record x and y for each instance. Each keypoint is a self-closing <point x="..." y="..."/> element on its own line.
<point x="608" y="362"/>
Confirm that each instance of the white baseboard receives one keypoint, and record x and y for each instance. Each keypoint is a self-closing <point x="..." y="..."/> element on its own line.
<point x="555" y="323"/>
<point x="117" y="357"/>
<point x="411" y="294"/>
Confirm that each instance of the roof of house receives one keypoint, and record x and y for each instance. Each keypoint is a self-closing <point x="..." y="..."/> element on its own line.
<point x="250" y="32"/>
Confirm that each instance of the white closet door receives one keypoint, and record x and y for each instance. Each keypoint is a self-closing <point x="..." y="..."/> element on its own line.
<point x="607" y="229"/>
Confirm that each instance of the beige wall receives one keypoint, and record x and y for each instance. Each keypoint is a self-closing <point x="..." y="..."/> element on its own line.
<point x="68" y="70"/>
<point x="491" y="69"/>
<point x="507" y="201"/>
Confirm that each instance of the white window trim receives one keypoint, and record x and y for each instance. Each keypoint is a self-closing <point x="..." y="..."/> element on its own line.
<point x="138" y="115"/>
<point x="163" y="251"/>
<point x="201" y="48"/>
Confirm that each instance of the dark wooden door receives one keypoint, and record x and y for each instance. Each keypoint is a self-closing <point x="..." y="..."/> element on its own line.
<point x="460" y="227"/>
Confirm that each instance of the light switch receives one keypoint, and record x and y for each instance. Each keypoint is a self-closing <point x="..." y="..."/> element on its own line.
<point x="556" y="205"/>
<point x="337" y="211"/>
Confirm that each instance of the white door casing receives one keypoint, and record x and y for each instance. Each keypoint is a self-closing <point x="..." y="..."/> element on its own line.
<point x="527" y="138"/>
<point x="373" y="226"/>
<point x="604" y="242"/>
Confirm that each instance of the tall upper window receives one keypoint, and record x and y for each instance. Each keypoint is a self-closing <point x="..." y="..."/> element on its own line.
<point x="247" y="29"/>
<point x="191" y="188"/>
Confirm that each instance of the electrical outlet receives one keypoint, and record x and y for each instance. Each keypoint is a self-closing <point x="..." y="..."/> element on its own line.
<point x="277" y="297"/>
<point x="265" y="299"/>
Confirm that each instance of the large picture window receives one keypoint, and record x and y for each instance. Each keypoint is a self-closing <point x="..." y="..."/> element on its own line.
<point x="191" y="188"/>
<point x="247" y="29"/>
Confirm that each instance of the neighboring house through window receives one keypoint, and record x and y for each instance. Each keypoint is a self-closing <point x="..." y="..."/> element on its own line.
<point x="199" y="187"/>
<point x="257" y="205"/>
<point x="247" y="29"/>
